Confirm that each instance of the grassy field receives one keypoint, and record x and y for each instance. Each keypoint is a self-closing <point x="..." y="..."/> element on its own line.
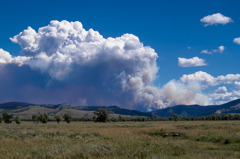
<point x="155" y="140"/>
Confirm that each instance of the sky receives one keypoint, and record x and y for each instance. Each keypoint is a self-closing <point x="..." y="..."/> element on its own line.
<point x="141" y="55"/>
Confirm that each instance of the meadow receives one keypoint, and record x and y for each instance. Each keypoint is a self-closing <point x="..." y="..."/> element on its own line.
<point x="117" y="140"/>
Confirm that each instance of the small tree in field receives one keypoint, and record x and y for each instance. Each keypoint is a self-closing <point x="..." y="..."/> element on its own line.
<point x="0" y="119"/>
<point x="34" y="117"/>
<point x="67" y="118"/>
<point x="17" y="120"/>
<point x="58" y="119"/>
<point x="102" y="115"/>
<point x="120" y="118"/>
<point x="43" y="118"/>
<point x="174" y="117"/>
<point x="7" y="118"/>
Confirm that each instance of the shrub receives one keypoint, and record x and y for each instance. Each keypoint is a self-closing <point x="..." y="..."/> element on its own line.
<point x="174" y="117"/>
<point x="67" y="118"/>
<point x="43" y="118"/>
<point x="7" y="118"/>
<point x="58" y="119"/>
<point x="102" y="115"/>
<point x="34" y="117"/>
<point x="17" y="120"/>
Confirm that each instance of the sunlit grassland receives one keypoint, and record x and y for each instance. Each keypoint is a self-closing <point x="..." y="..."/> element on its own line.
<point x="165" y="139"/>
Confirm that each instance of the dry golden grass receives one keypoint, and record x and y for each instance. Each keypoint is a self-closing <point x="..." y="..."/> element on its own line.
<point x="197" y="139"/>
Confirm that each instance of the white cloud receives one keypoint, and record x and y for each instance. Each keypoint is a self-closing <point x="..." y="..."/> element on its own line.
<point x="201" y="77"/>
<point x="222" y="89"/>
<point x="237" y="84"/>
<point x="237" y="40"/>
<point x="192" y="62"/>
<point x="63" y="62"/>
<point x="207" y="80"/>
<point x="224" y="97"/>
<point x="72" y="65"/>
<point x="219" y="50"/>
<point x="121" y="66"/>
<point x="176" y="92"/>
<point x="217" y="18"/>
<point x="221" y="94"/>
<point x="206" y="52"/>
<point x="6" y="58"/>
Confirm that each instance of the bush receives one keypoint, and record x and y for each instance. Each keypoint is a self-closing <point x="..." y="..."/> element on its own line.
<point x="174" y="117"/>
<point x="7" y="118"/>
<point x="102" y="115"/>
<point x="34" y="117"/>
<point x="67" y="118"/>
<point x="17" y="120"/>
<point x="43" y="118"/>
<point x="58" y="119"/>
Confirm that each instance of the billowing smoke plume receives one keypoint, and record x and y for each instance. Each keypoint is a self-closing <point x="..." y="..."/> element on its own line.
<point x="63" y="62"/>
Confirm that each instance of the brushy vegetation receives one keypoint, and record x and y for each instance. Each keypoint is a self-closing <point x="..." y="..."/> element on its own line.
<point x="144" y="140"/>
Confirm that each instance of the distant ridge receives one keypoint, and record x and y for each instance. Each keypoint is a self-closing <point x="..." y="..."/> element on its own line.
<point x="26" y="110"/>
<point x="117" y="110"/>
<point x="14" y="105"/>
<point x="196" y="110"/>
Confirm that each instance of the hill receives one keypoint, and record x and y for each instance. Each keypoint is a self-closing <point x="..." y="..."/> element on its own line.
<point x="196" y="110"/>
<point x="26" y="110"/>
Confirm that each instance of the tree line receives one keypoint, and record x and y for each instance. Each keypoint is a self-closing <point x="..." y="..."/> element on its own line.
<point x="8" y="118"/>
<point x="102" y="115"/>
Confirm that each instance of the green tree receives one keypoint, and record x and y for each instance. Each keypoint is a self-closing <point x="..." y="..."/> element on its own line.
<point x="67" y="118"/>
<point x="58" y="119"/>
<point x="174" y="117"/>
<point x="94" y="118"/>
<point x="0" y="119"/>
<point x="17" y="120"/>
<point x="43" y="118"/>
<point x="102" y="115"/>
<point x="34" y="117"/>
<point x="120" y="118"/>
<point x="7" y="118"/>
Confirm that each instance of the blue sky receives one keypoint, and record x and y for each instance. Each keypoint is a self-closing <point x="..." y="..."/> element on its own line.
<point x="171" y="27"/>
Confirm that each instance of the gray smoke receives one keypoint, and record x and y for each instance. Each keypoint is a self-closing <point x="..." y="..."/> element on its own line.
<point x="62" y="62"/>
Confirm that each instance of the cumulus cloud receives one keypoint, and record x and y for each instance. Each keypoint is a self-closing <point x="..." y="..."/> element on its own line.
<point x="237" y="40"/>
<point x="217" y="18"/>
<point x="207" y="80"/>
<point x="63" y="62"/>
<point x="219" y="50"/>
<point x="237" y="84"/>
<point x="221" y="94"/>
<point x="222" y="89"/>
<point x="223" y="97"/>
<point x="6" y="58"/>
<point x="117" y="71"/>
<point x="192" y="62"/>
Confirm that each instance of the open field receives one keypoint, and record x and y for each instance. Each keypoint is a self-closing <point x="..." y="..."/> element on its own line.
<point x="157" y="140"/>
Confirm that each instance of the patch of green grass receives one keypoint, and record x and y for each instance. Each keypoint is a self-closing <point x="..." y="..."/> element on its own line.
<point x="148" y="140"/>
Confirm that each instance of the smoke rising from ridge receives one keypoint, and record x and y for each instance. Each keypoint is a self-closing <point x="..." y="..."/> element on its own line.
<point x="62" y="62"/>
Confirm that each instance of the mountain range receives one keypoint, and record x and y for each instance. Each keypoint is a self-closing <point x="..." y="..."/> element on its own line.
<point x="26" y="110"/>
